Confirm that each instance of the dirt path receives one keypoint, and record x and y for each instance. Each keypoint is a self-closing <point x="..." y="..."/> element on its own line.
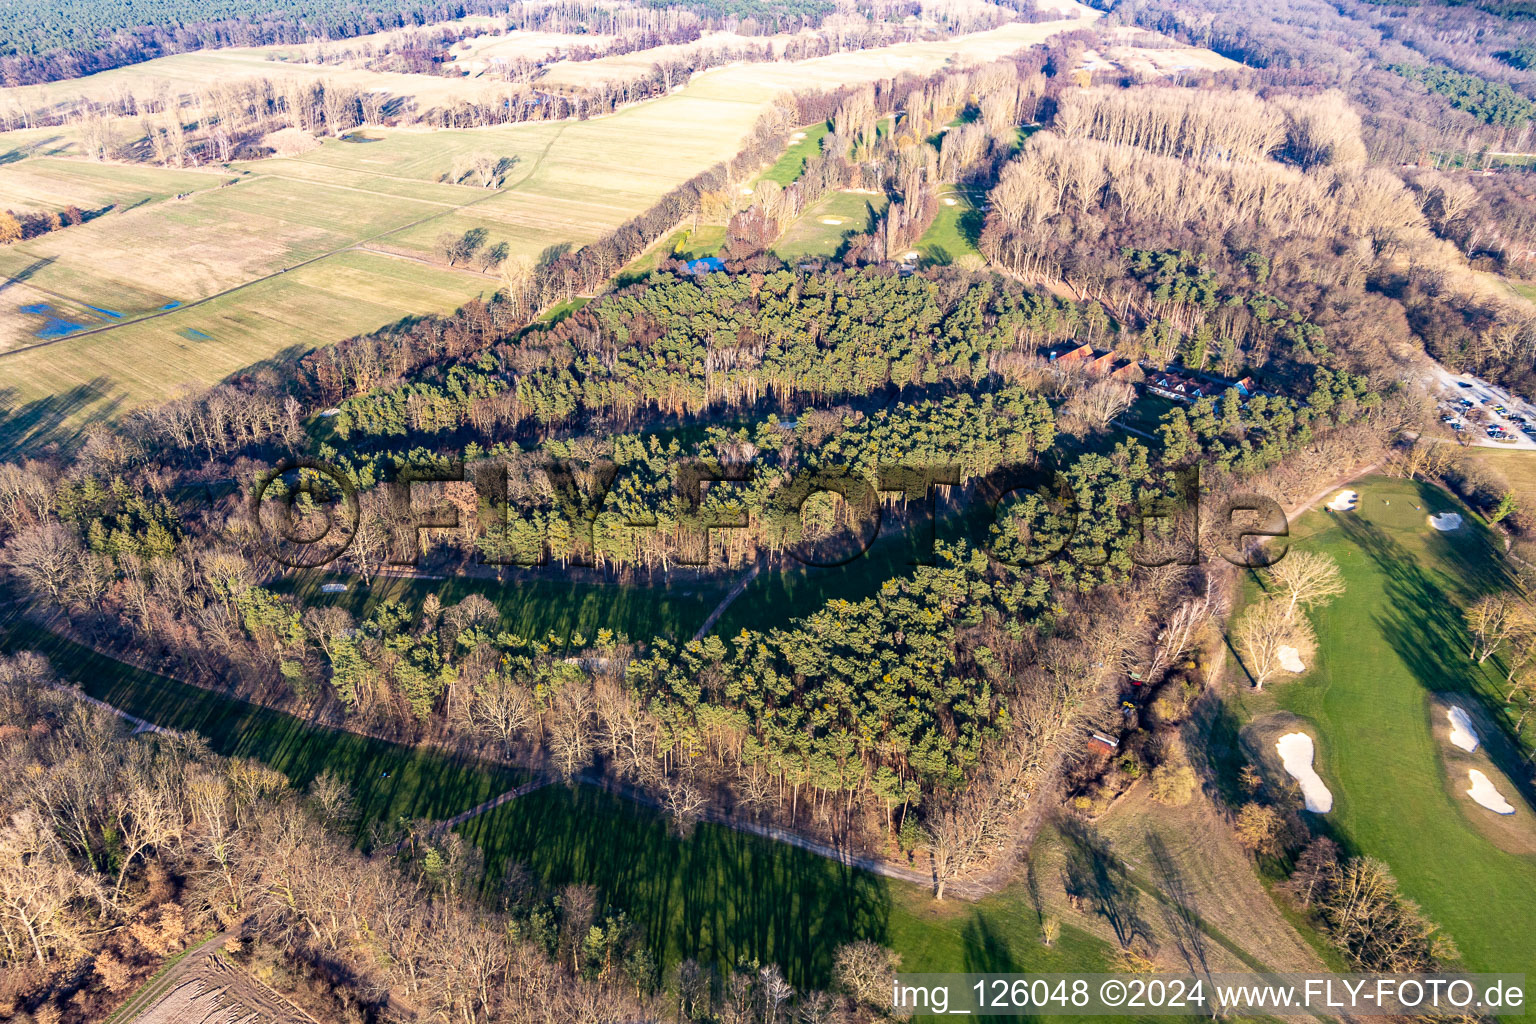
<point x="725" y="602"/>
<point x="139" y="724"/>
<point x="1350" y="477"/>
<point x="205" y="988"/>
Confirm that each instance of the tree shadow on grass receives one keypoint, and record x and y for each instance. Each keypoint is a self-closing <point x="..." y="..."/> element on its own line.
<point x="389" y="781"/>
<point x="58" y="419"/>
<point x="1421" y="620"/>
<point x="1178" y="906"/>
<point x="1093" y="875"/>
<point x="717" y="895"/>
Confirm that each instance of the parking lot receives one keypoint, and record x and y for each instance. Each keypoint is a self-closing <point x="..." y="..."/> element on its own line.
<point x="1485" y="414"/>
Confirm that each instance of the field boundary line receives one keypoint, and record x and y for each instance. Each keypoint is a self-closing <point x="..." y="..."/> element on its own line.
<point x="368" y="191"/>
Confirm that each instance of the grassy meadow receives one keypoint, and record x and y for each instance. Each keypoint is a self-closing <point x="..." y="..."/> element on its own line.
<point x="1385" y="648"/>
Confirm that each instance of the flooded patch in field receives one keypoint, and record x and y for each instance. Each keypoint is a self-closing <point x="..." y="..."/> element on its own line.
<point x="57" y="327"/>
<point x="193" y="334"/>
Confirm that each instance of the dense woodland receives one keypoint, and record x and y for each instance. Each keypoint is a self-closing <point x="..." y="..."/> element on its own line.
<point x="160" y="843"/>
<point x="1258" y="224"/>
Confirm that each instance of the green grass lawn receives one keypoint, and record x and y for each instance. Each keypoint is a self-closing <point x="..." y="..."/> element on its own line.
<point x="421" y="783"/>
<point x="954" y="232"/>
<point x="791" y="165"/>
<point x="1395" y="637"/>
<point x="721" y="895"/>
<point x="537" y="607"/>
<point x="810" y="237"/>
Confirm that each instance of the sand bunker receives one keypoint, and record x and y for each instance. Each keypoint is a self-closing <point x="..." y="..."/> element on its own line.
<point x="798" y="136"/>
<point x="1446" y="521"/>
<point x="333" y="588"/>
<point x="1487" y="794"/>
<point x="950" y="201"/>
<point x="911" y="254"/>
<point x="1344" y="501"/>
<point x="1290" y="659"/>
<point x="1296" y="754"/>
<point x="1462" y="733"/>
<point x="746" y="190"/>
<point x="834" y="220"/>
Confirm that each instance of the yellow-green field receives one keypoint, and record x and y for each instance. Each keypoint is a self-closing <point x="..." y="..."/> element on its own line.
<point x="46" y="183"/>
<point x="50" y="393"/>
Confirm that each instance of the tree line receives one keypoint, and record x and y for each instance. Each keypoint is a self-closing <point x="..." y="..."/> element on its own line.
<point x="64" y="39"/>
<point x="118" y="851"/>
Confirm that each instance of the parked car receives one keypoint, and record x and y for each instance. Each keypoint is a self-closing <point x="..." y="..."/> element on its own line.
<point x="1463" y="384"/>
<point x="1500" y="410"/>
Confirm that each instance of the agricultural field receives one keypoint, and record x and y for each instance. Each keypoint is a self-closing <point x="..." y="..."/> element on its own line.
<point x="188" y="72"/>
<point x="1391" y="649"/>
<point x="48" y="183"/>
<point x="624" y="67"/>
<point x="252" y="267"/>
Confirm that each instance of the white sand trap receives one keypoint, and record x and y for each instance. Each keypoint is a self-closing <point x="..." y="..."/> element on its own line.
<point x="1462" y="733"/>
<point x="333" y="588"/>
<point x="834" y="220"/>
<point x="746" y="190"/>
<point x="911" y="254"/>
<point x="1344" y="501"/>
<point x="1446" y="521"/>
<point x="1487" y="794"/>
<point x="1290" y="659"/>
<point x="1296" y="754"/>
<point x="798" y="136"/>
<point x="951" y="201"/>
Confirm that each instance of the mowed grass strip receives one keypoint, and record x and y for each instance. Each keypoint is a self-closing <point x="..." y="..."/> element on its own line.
<point x="1392" y="640"/>
<point x="720" y="896"/>
<point x="955" y="230"/>
<point x="788" y="168"/>
<point x="535" y="608"/>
